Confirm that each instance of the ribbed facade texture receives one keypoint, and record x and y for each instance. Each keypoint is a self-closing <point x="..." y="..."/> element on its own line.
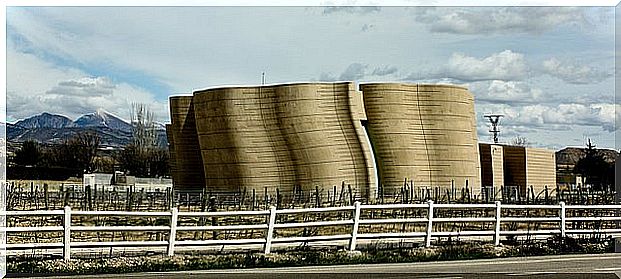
<point x="518" y="166"/>
<point x="422" y="133"/>
<point x="187" y="161"/>
<point x="314" y="136"/>
<point x="282" y="136"/>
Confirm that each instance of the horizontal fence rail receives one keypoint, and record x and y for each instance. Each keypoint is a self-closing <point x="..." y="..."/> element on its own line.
<point x="427" y="218"/>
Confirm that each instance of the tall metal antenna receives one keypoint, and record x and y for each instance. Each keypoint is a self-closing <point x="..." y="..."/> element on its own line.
<point x="494" y="119"/>
<point x="263" y="78"/>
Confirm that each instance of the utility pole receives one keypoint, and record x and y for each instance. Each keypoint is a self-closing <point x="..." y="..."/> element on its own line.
<point x="494" y="119"/>
<point x="263" y="78"/>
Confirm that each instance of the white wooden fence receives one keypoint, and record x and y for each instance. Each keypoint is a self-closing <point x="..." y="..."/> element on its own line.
<point x="270" y="225"/>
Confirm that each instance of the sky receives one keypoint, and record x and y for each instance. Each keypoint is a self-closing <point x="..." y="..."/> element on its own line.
<point x="548" y="70"/>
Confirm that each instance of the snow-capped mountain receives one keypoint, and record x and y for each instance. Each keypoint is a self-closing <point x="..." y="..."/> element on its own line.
<point x="45" y="120"/>
<point x="53" y="128"/>
<point x="101" y="118"/>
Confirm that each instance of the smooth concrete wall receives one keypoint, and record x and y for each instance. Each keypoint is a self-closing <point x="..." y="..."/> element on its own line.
<point x="281" y="137"/>
<point x="188" y="162"/>
<point x="423" y="133"/>
<point x="497" y="166"/>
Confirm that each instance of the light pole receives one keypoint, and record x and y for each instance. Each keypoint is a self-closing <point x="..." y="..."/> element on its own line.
<point x="494" y="119"/>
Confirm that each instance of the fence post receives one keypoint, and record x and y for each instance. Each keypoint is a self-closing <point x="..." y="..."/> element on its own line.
<point x="429" y="224"/>
<point x="270" y="230"/>
<point x="67" y="234"/>
<point x="173" y="231"/>
<point x="562" y="219"/>
<point x="354" y="230"/>
<point x="497" y="229"/>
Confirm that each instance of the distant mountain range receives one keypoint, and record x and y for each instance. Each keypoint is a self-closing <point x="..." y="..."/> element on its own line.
<point x="100" y="118"/>
<point x="571" y="155"/>
<point x="45" y="120"/>
<point x="53" y="128"/>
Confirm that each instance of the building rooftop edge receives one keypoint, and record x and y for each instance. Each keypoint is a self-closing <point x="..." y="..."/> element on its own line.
<point x="269" y="85"/>
<point x="412" y="84"/>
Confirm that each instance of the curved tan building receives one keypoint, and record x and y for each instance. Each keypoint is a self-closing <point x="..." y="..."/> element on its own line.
<point x="310" y="135"/>
<point x="424" y="133"/>
<point x="304" y="135"/>
<point x="188" y="164"/>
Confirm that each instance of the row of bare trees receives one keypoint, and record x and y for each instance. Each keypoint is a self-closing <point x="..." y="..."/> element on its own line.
<point x="74" y="156"/>
<point x="142" y="157"/>
<point x="75" y="153"/>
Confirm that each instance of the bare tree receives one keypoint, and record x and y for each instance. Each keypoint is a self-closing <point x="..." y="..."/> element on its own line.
<point x="104" y="164"/>
<point x="520" y="141"/>
<point x="29" y="154"/>
<point x="77" y="153"/>
<point x="85" y="146"/>
<point x="143" y="127"/>
<point x="143" y="156"/>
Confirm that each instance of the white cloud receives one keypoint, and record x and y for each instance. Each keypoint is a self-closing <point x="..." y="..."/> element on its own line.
<point x="35" y="86"/>
<point x="592" y="98"/>
<point x="180" y="49"/>
<point x="367" y="27"/>
<point x="505" y="65"/>
<point x="29" y="75"/>
<point x="587" y="115"/>
<point x="508" y="92"/>
<point x="118" y="102"/>
<point x="359" y="71"/>
<point x="495" y="20"/>
<point x="327" y="77"/>
<point x="354" y="71"/>
<point x="573" y="73"/>
<point x="351" y="9"/>
<point x="384" y="71"/>
<point x="190" y="48"/>
<point x="561" y="116"/>
<point x="84" y="87"/>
